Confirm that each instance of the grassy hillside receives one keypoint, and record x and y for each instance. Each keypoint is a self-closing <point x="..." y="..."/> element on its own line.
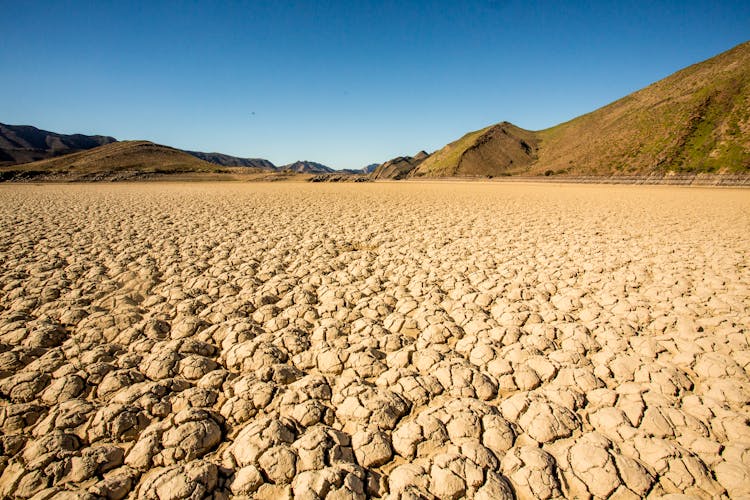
<point x="119" y="160"/>
<point x="444" y="162"/>
<point x="694" y="121"/>
<point x="501" y="149"/>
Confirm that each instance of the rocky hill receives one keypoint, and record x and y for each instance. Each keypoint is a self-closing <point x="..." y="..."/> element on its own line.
<point x="306" y="167"/>
<point x="400" y="167"/>
<point x="24" y="144"/>
<point x="496" y="150"/>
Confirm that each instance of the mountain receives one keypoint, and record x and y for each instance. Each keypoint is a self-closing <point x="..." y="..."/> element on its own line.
<point x="24" y="144"/>
<point x="115" y="161"/>
<point x="493" y="150"/>
<point x="695" y="120"/>
<point x="358" y="171"/>
<point x="306" y="167"/>
<point x="233" y="161"/>
<point x="400" y="167"/>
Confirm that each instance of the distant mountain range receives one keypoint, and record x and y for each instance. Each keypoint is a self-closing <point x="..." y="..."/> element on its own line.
<point x="24" y="148"/>
<point x="306" y="167"/>
<point x="233" y="161"/>
<point x="694" y="121"/>
<point x="369" y="168"/>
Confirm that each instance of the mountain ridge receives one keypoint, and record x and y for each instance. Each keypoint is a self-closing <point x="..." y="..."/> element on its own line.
<point x="306" y="167"/>
<point x="233" y="161"/>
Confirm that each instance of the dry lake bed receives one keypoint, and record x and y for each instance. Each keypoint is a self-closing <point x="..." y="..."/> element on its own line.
<point x="399" y="340"/>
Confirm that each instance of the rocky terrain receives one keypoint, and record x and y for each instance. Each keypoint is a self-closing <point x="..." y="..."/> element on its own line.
<point x="695" y="120"/>
<point x="417" y="340"/>
<point x="340" y="177"/>
<point x="306" y="167"/>
<point x="369" y="168"/>
<point x="399" y="168"/>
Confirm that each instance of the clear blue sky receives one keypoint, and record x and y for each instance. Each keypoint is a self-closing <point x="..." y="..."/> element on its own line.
<point x="345" y="83"/>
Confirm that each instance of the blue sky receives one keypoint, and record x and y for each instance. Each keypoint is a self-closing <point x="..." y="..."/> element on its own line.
<point x="344" y="83"/>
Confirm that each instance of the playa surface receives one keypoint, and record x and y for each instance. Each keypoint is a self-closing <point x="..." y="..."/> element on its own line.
<point x="433" y="340"/>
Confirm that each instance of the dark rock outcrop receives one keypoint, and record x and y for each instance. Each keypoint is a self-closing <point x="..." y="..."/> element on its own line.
<point x="400" y="167"/>
<point x="306" y="167"/>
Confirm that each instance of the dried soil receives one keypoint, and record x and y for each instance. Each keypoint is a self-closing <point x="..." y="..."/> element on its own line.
<point x="419" y="340"/>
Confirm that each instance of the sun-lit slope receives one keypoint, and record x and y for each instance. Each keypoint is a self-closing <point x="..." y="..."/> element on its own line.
<point x="132" y="157"/>
<point x="444" y="161"/>
<point x="696" y="120"/>
<point x="496" y="150"/>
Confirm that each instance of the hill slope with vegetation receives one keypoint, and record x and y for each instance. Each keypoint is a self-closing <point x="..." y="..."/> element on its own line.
<point x="696" y="120"/>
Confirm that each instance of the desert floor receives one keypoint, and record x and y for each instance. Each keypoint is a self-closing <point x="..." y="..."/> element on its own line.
<point x="402" y="340"/>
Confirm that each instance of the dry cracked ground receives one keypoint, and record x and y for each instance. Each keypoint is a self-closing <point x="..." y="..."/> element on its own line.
<point x="443" y="340"/>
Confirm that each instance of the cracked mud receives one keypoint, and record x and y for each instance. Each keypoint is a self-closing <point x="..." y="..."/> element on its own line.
<point x="419" y="340"/>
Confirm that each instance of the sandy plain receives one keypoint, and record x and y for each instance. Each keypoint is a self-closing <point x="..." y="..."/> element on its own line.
<point x="418" y="340"/>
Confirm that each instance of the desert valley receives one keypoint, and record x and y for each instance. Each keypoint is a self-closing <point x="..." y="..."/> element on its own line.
<point x="693" y="126"/>
<point x="492" y="320"/>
